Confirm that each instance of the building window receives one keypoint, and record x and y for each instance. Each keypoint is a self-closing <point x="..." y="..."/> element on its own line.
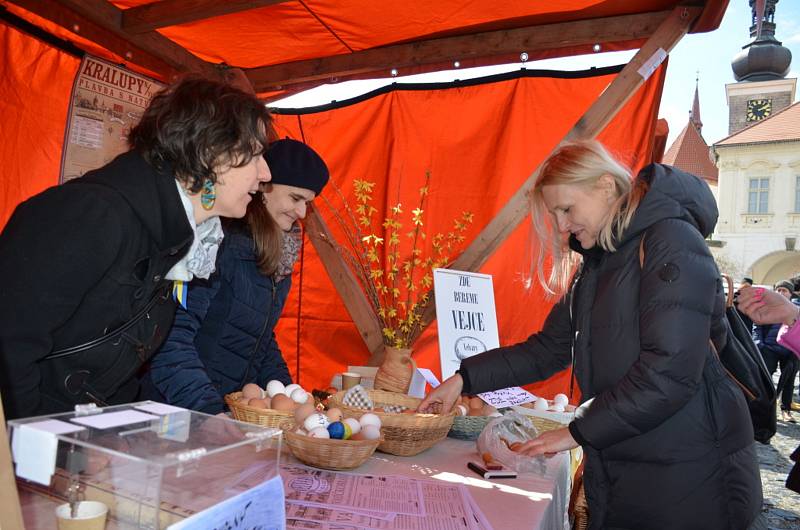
<point x="797" y="194"/>
<point x="758" y="195"/>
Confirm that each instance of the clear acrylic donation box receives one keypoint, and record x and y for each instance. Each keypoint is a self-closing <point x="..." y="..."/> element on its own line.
<point x="153" y="466"/>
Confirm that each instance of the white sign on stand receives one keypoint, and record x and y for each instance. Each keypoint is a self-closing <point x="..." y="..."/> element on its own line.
<point x="466" y="316"/>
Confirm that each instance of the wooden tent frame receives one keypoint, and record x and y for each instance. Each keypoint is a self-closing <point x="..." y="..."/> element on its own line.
<point x="669" y="32"/>
<point x="131" y="33"/>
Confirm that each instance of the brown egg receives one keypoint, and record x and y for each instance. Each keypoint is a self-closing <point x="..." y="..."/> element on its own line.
<point x="252" y="390"/>
<point x="334" y="414"/>
<point x="302" y="412"/>
<point x="283" y="402"/>
<point x="260" y="403"/>
<point x="476" y="403"/>
<point x="476" y="412"/>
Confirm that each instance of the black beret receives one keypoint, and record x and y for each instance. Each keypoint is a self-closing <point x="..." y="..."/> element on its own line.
<point x="294" y="163"/>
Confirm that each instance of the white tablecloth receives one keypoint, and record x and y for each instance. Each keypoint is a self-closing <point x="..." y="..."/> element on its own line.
<point x="530" y="501"/>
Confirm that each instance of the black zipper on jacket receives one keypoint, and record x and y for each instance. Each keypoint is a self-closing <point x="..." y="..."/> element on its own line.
<point x="260" y="336"/>
<point x="572" y="331"/>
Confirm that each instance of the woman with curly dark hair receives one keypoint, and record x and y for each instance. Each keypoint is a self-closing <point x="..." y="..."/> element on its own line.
<point x="90" y="265"/>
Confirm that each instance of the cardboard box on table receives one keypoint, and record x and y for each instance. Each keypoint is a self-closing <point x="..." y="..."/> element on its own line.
<point x="153" y="465"/>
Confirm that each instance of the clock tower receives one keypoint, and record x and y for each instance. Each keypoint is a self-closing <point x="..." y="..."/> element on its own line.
<point x="760" y="69"/>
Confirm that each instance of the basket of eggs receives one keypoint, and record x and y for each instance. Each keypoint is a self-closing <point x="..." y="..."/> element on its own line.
<point x="405" y="432"/>
<point x="548" y="415"/>
<point x="472" y="415"/>
<point x="329" y="441"/>
<point x="270" y="407"/>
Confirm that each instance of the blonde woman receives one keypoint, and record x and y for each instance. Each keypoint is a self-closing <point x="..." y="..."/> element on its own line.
<point x="667" y="436"/>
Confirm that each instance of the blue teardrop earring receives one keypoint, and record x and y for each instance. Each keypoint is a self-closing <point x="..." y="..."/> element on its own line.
<point x="208" y="195"/>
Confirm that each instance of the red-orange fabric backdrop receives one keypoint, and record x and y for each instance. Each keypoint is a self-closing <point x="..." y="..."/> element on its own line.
<point x="480" y="142"/>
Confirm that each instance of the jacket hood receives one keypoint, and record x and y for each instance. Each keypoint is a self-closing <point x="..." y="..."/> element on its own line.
<point x="673" y="194"/>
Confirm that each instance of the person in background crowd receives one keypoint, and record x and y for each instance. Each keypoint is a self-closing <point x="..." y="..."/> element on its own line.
<point x="746" y="282"/>
<point x="89" y="265"/>
<point x="770" y="307"/>
<point x="766" y="337"/>
<point x="225" y="337"/>
<point x="666" y="433"/>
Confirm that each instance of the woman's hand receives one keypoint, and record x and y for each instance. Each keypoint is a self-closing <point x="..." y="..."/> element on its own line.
<point x="548" y="443"/>
<point x="443" y="397"/>
<point x="767" y="307"/>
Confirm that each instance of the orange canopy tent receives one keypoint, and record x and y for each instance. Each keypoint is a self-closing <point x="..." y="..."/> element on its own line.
<point x="480" y="140"/>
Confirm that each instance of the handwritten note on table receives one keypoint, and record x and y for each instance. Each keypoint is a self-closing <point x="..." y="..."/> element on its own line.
<point x="507" y="397"/>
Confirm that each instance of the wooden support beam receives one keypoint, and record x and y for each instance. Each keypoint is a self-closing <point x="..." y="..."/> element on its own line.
<point x="104" y="20"/>
<point x="150" y="17"/>
<point x="54" y="12"/>
<point x="10" y="511"/>
<point x="602" y="111"/>
<point x="346" y="285"/>
<point x="444" y="50"/>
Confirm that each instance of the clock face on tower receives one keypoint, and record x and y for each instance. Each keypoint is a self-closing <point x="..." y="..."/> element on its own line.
<point x="758" y="109"/>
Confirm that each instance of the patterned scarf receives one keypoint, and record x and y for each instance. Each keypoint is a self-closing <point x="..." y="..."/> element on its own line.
<point x="200" y="260"/>
<point x="289" y="252"/>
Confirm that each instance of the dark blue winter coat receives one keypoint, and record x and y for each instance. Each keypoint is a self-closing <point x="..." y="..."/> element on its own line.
<point x="225" y="337"/>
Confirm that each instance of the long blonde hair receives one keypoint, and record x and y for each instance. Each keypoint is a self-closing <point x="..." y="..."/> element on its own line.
<point x="579" y="163"/>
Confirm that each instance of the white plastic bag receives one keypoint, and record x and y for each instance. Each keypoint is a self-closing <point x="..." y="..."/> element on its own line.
<point x="505" y="430"/>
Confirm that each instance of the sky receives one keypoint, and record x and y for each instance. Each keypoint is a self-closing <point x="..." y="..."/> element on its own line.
<point x="704" y="55"/>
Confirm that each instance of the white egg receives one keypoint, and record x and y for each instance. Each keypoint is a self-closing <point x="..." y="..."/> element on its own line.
<point x="370" y="419"/>
<point x="319" y="432"/>
<point x="299" y="395"/>
<point x="370" y="432"/>
<point x="355" y="427"/>
<point x="275" y="387"/>
<point x="316" y="420"/>
<point x="541" y="404"/>
<point x="461" y="410"/>
<point x="557" y="407"/>
<point x="561" y="399"/>
<point x="291" y="388"/>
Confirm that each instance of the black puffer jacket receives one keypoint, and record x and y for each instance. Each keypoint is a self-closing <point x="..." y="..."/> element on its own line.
<point x="668" y="439"/>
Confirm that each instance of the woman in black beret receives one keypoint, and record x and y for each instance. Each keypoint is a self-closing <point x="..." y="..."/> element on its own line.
<point x="223" y="336"/>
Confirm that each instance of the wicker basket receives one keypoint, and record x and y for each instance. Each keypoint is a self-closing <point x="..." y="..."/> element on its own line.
<point x="404" y="434"/>
<point x="327" y="453"/>
<point x="544" y="424"/>
<point x="264" y="417"/>
<point x="468" y="427"/>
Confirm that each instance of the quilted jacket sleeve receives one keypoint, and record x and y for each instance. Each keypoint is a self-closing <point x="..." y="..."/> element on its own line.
<point x="177" y="370"/>
<point x="272" y="365"/>
<point x="677" y="299"/>
<point x="537" y="358"/>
